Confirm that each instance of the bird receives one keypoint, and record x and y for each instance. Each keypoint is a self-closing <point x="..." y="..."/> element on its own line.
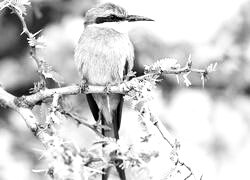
<point x="104" y="56"/>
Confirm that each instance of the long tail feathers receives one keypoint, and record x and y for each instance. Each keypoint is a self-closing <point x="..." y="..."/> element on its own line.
<point x="115" y="126"/>
<point x="108" y="103"/>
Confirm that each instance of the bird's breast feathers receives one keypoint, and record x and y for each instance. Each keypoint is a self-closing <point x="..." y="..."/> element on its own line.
<point x="102" y="55"/>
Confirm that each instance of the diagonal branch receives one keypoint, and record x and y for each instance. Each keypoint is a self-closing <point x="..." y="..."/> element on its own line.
<point x="8" y="100"/>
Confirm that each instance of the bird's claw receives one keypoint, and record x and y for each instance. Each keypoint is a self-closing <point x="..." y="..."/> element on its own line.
<point x="107" y="88"/>
<point x="83" y="86"/>
<point x="127" y="77"/>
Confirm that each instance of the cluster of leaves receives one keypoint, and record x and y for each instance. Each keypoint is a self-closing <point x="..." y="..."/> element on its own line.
<point x="170" y="66"/>
<point x="140" y="89"/>
<point x="18" y="5"/>
<point x="68" y="161"/>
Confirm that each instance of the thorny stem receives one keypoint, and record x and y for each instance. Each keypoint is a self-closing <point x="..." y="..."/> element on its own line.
<point x="32" y="48"/>
<point x="189" y="169"/>
<point x="164" y="133"/>
<point x="164" y="137"/>
<point x="55" y="107"/>
<point x="184" y="69"/>
<point x="174" y="145"/>
<point x="25" y="28"/>
<point x="80" y="121"/>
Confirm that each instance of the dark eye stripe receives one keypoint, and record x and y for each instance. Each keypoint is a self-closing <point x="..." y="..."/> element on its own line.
<point x="110" y="18"/>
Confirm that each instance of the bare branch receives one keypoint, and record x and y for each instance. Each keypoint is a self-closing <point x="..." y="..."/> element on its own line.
<point x="162" y="129"/>
<point x="8" y="100"/>
<point x="161" y="67"/>
<point x="173" y="69"/>
<point x="80" y="121"/>
<point x="31" y="37"/>
<point x="70" y="90"/>
<point x="121" y="88"/>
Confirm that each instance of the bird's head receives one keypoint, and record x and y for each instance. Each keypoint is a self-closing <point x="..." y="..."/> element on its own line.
<point x="110" y="13"/>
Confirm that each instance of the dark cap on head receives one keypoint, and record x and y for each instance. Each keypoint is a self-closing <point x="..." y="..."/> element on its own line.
<point x="110" y="12"/>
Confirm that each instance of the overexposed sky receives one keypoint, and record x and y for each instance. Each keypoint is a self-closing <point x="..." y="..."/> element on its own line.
<point x="195" y="21"/>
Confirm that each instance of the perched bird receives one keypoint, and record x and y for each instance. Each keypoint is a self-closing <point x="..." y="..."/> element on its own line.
<point x="104" y="56"/>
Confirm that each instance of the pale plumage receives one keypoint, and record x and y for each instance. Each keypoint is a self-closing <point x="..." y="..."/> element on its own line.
<point x="104" y="55"/>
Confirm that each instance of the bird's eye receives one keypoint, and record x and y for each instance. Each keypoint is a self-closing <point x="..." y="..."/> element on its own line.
<point x="110" y="18"/>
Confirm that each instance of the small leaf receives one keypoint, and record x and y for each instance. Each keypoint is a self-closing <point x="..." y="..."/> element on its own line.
<point x="18" y="5"/>
<point x="37" y="43"/>
<point x="212" y="67"/>
<point x="165" y="64"/>
<point x="49" y="72"/>
<point x="131" y="74"/>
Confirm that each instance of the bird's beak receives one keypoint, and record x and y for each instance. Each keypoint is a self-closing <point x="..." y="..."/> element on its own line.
<point x="131" y="18"/>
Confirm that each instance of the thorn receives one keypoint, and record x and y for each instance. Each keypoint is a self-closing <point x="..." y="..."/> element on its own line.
<point x="37" y="32"/>
<point x="201" y="177"/>
<point x="178" y="79"/>
<point x="189" y="62"/>
<point x="22" y="32"/>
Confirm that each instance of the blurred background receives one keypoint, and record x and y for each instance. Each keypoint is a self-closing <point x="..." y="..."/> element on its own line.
<point x="212" y="123"/>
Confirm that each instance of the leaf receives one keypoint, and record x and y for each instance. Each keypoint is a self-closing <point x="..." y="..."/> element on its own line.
<point x="37" y="43"/>
<point x="4" y="4"/>
<point x="212" y="67"/>
<point x="131" y="74"/>
<point x="165" y="64"/>
<point x="18" y="5"/>
<point x="49" y="72"/>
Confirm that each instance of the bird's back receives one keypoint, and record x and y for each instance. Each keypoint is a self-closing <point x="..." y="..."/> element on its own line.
<point x="103" y="54"/>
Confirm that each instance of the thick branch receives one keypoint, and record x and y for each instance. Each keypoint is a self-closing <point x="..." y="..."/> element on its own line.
<point x="121" y="88"/>
<point x="72" y="90"/>
<point x="8" y="100"/>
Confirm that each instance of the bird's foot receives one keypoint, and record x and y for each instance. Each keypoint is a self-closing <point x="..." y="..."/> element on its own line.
<point x="130" y="75"/>
<point x="83" y="86"/>
<point x="107" y="88"/>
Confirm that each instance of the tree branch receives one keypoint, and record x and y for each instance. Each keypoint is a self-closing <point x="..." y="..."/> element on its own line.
<point x="121" y="88"/>
<point x="8" y="100"/>
<point x="31" y="42"/>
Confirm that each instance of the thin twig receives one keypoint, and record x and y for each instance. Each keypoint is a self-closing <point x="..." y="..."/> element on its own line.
<point x="32" y="48"/>
<point x="82" y="122"/>
<point x="189" y="169"/>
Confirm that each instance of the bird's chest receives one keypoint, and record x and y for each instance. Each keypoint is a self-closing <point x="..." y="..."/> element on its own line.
<point x="102" y="57"/>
